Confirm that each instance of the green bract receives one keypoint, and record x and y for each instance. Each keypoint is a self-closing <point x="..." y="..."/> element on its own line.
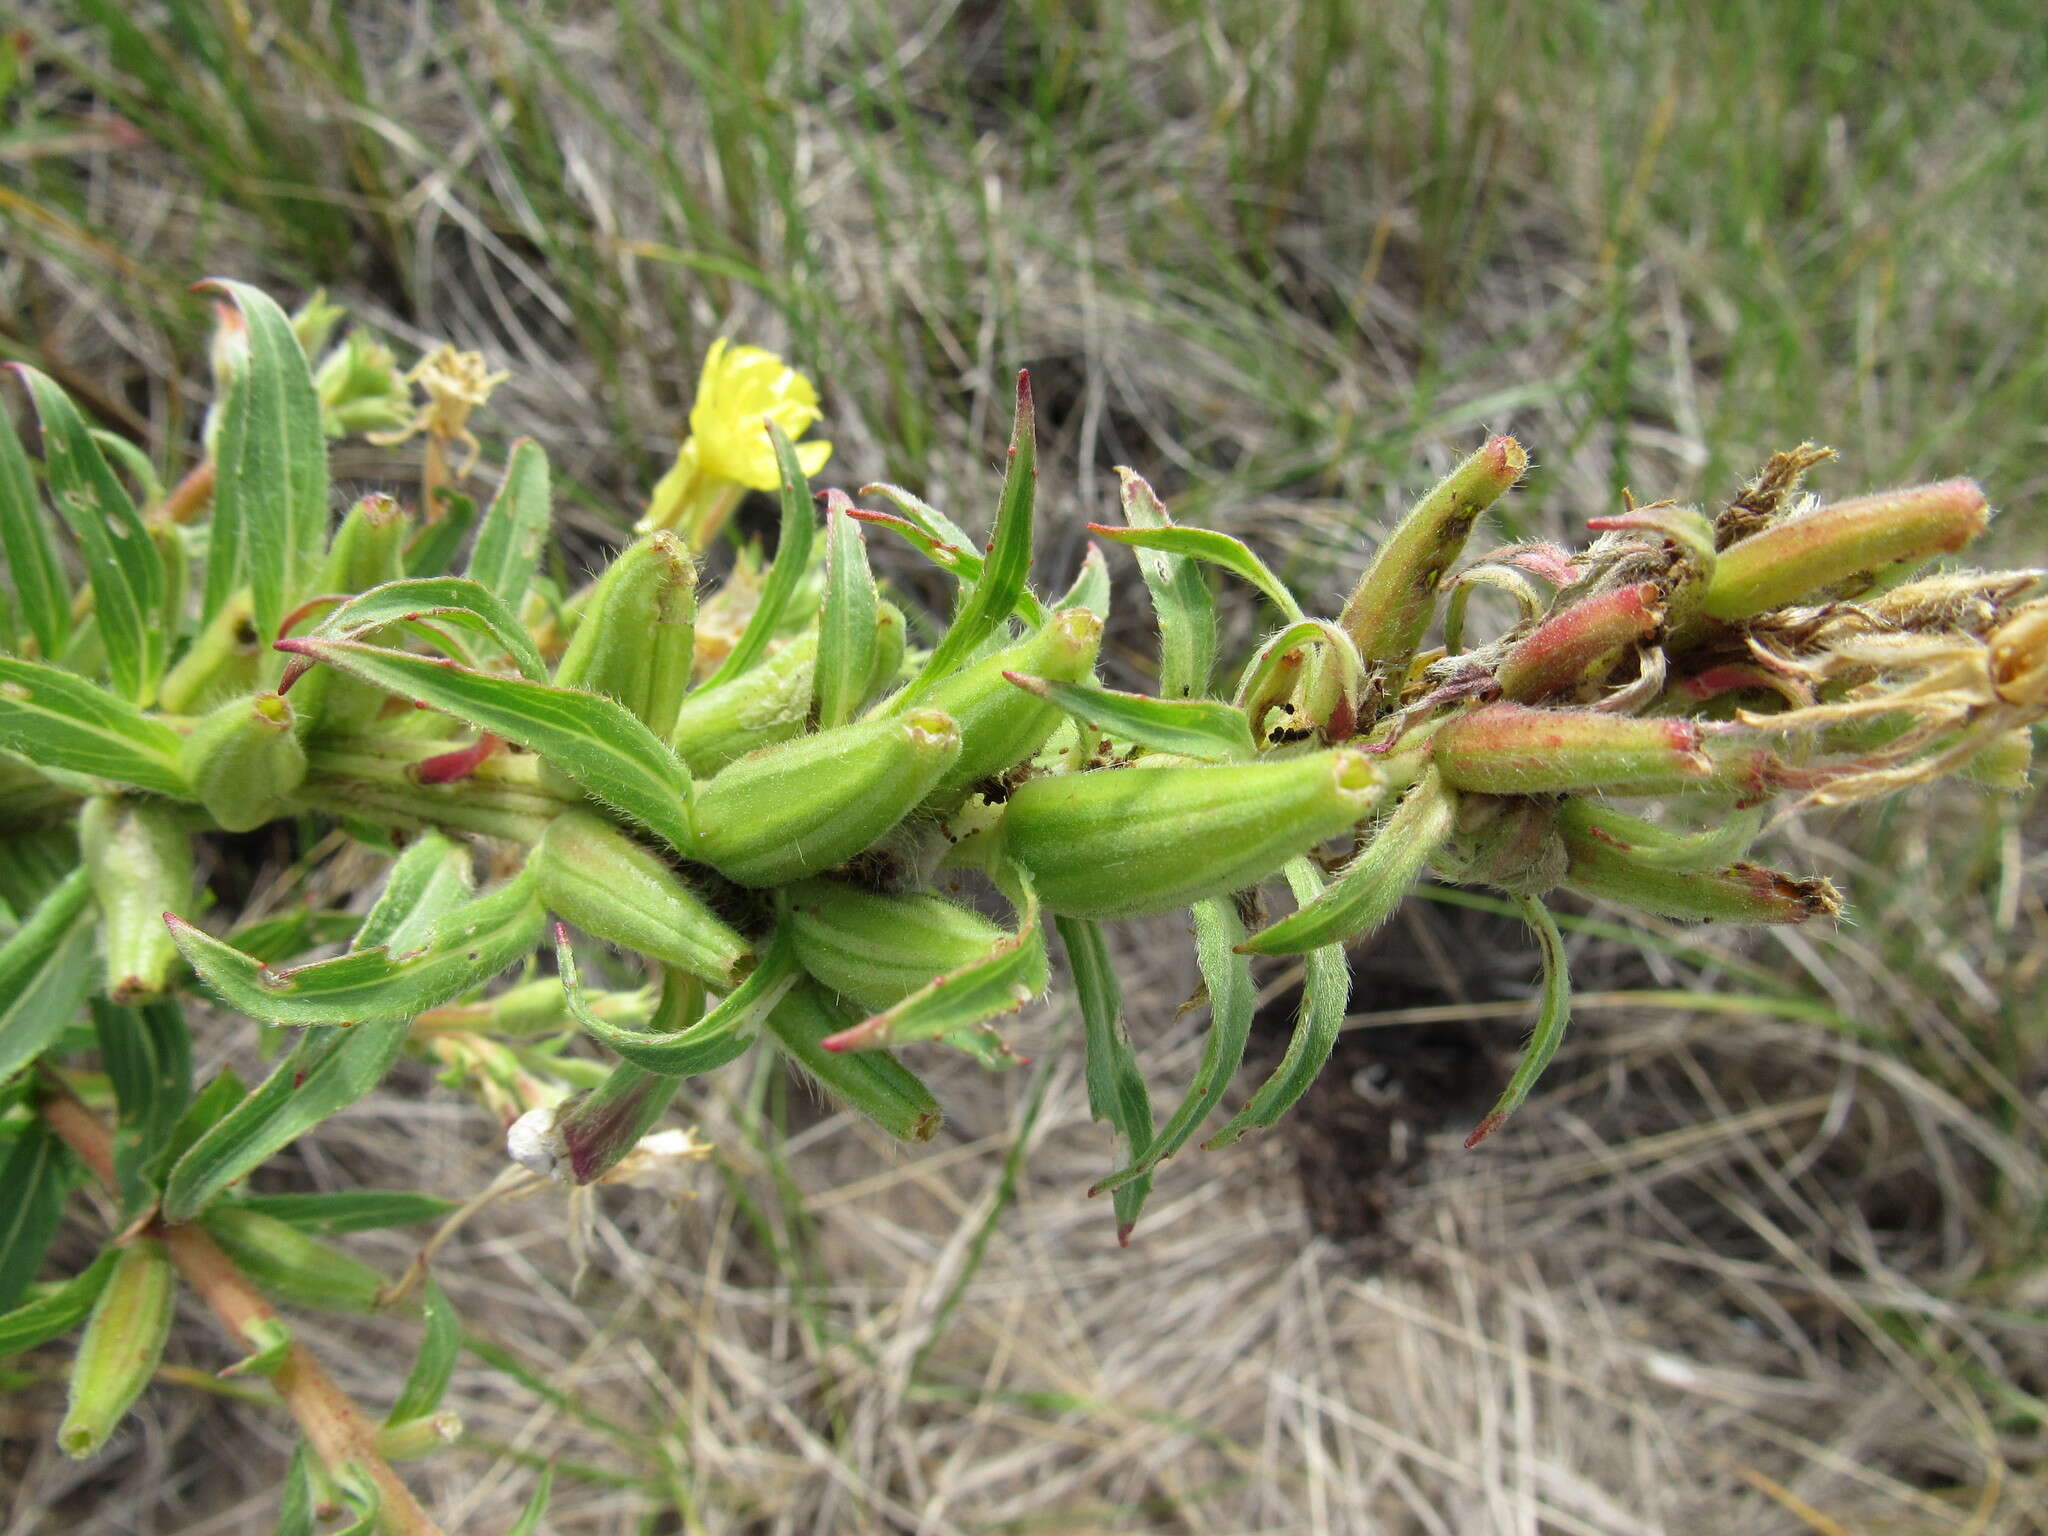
<point x="783" y="823"/>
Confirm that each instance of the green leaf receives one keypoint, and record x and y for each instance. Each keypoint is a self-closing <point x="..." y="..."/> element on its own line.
<point x="1199" y="728"/>
<point x="847" y="640"/>
<point x="335" y="1212"/>
<point x="148" y="1059"/>
<point x="58" y="720"/>
<point x="792" y="563"/>
<point x="295" y="1504"/>
<point x="127" y="575"/>
<point x="1212" y="548"/>
<point x="270" y="493"/>
<point x="27" y="539"/>
<point x="37" y="1177"/>
<point x="1116" y="1086"/>
<point x="1551" y="1019"/>
<point x="511" y="536"/>
<point x="1369" y="888"/>
<point x="279" y="938"/>
<point x="209" y="1106"/>
<point x="1180" y="597"/>
<point x="1001" y="586"/>
<point x="1325" y="994"/>
<point x="56" y="1312"/>
<point x="873" y="1083"/>
<point x="429" y="880"/>
<point x="1091" y="589"/>
<point x="1232" y="1002"/>
<point x="593" y="740"/>
<point x="935" y="536"/>
<point x="720" y="1036"/>
<point x="427" y="1382"/>
<point x="433" y="548"/>
<point x="462" y="948"/>
<point x="456" y="598"/>
<point x="46" y="971"/>
<point x="1002" y="981"/>
<point x="1270" y="658"/>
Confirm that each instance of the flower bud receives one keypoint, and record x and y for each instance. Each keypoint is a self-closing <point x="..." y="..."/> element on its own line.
<point x="141" y="867"/>
<point x="1511" y="749"/>
<point x="876" y="950"/>
<point x="1000" y="724"/>
<point x="873" y="1082"/>
<point x="124" y="1339"/>
<point x="1841" y="548"/>
<point x="292" y="1265"/>
<point x="1122" y="842"/>
<point x="244" y="760"/>
<point x="595" y="1129"/>
<point x="594" y="876"/>
<point x="1603" y="863"/>
<point x="1572" y="651"/>
<point x="764" y="705"/>
<point x="1390" y="609"/>
<point x="636" y="641"/>
<point x="807" y="805"/>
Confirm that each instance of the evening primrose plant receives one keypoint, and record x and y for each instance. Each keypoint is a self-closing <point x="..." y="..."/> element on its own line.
<point x="794" y="824"/>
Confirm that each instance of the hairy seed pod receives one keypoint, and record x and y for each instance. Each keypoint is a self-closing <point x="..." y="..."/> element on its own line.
<point x="368" y="550"/>
<point x="873" y="1082"/>
<point x="293" y="1266"/>
<point x="1839" y="549"/>
<point x="124" y="1339"/>
<point x="1128" y="841"/>
<point x="596" y="877"/>
<point x="760" y="708"/>
<point x="1602" y="863"/>
<point x="637" y="638"/>
<point x="1512" y="749"/>
<point x="1572" y="651"/>
<point x="875" y="950"/>
<point x="244" y="760"/>
<point x="1000" y="724"/>
<point x="140" y="863"/>
<point x="803" y="807"/>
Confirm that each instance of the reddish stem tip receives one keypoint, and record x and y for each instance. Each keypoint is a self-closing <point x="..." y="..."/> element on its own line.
<point x="1484" y="1129"/>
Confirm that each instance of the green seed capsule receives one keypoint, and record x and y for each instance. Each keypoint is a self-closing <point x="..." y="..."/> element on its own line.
<point x="1511" y="749"/>
<point x="141" y="867"/>
<point x="1603" y="863"/>
<point x="873" y="1082"/>
<point x="638" y="634"/>
<point x="1123" y="842"/>
<point x="801" y="808"/>
<point x="761" y="707"/>
<point x="1000" y="724"/>
<point x="875" y="950"/>
<point x="596" y="877"/>
<point x="244" y="759"/>
<point x="294" y="1266"/>
<point x="368" y="550"/>
<point x="124" y="1339"/>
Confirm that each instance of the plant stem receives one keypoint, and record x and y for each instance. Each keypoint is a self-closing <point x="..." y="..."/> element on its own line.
<point x="339" y="1431"/>
<point x="190" y="496"/>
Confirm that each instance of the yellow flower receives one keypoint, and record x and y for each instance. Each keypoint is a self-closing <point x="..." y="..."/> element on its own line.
<point x="739" y="390"/>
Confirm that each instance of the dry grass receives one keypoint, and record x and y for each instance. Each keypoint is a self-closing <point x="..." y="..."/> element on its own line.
<point x="1748" y="1265"/>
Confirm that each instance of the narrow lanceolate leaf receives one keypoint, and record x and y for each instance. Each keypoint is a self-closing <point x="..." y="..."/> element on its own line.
<point x="945" y="544"/>
<point x="1116" y="1085"/>
<point x="1001" y="584"/>
<point x="464" y="947"/>
<point x="334" y="1212"/>
<point x="58" y="720"/>
<point x="846" y="630"/>
<point x="703" y="1044"/>
<point x="36" y="1178"/>
<point x="509" y="540"/>
<point x="445" y="599"/>
<point x="127" y="574"/>
<point x="270" y="497"/>
<point x="148" y="1057"/>
<point x="429" y="880"/>
<point x="874" y="1083"/>
<point x="1325" y="993"/>
<point x="27" y="540"/>
<point x="427" y="1382"/>
<point x="591" y="739"/>
<point x="1200" y="728"/>
<point x="1232" y="1001"/>
<point x="1372" y="884"/>
<point x="1551" y="1019"/>
<point x="46" y="970"/>
<point x="999" y="982"/>
<point x="792" y="563"/>
<point x="57" y="1312"/>
<point x="1211" y="548"/>
<point x="1180" y="597"/>
<point x="1091" y="585"/>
